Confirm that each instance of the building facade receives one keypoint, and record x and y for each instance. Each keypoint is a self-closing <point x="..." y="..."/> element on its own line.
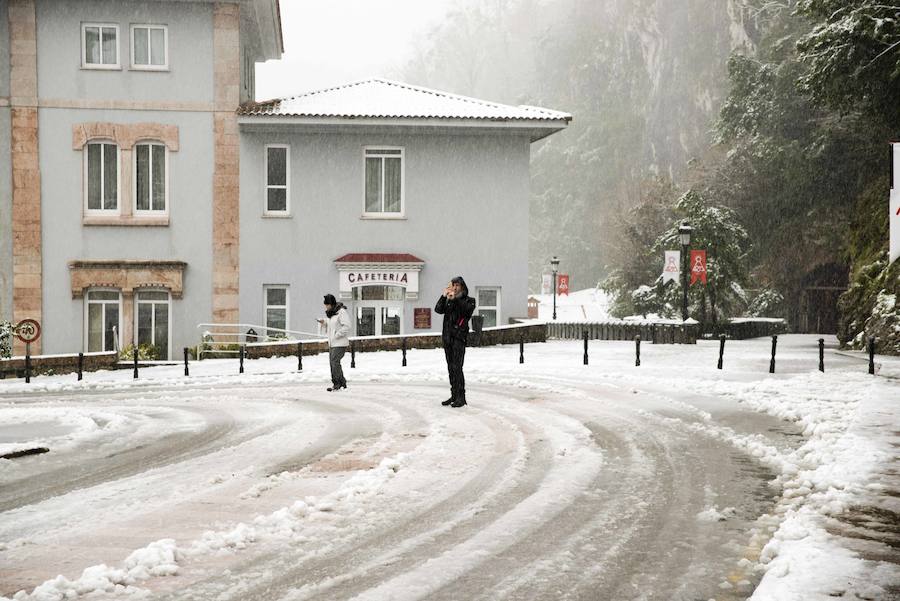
<point x="380" y="192"/>
<point x="146" y="192"/>
<point x="119" y="140"/>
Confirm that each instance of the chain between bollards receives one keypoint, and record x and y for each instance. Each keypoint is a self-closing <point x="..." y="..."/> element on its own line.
<point x="721" y="351"/>
<point x="135" y="363"/>
<point x="241" y="358"/>
<point x="80" y="365"/>
<point x="187" y="372"/>
<point x="585" y="347"/>
<point x="352" y="355"/>
<point x="299" y="356"/>
<point x="772" y="362"/>
<point x="403" y="348"/>
<point x="872" y="355"/>
<point x="821" y="354"/>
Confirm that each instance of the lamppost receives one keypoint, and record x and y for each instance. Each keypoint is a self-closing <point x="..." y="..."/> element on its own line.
<point x="684" y="232"/>
<point x="554" y="265"/>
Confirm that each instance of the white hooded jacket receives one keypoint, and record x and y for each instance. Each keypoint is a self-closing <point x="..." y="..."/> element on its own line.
<point x="338" y="327"/>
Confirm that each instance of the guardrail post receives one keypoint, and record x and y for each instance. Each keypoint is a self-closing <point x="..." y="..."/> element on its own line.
<point x="403" y="349"/>
<point x="872" y="355"/>
<point x="521" y="348"/>
<point x="241" y="358"/>
<point x="821" y="354"/>
<point x="28" y="363"/>
<point x="585" y="347"/>
<point x="80" y="365"/>
<point x="772" y="362"/>
<point x="637" y="350"/>
<point x="721" y="350"/>
<point x="352" y="355"/>
<point x="135" y="363"/>
<point x="186" y="370"/>
<point x="299" y="356"/>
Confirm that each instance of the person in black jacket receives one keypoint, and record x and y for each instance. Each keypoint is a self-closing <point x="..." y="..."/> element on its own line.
<point x="457" y="307"/>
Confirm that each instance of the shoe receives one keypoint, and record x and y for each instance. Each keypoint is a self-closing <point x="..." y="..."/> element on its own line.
<point x="458" y="403"/>
<point x="344" y="385"/>
<point x="334" y="388"/>
<point x="447" y="402"/>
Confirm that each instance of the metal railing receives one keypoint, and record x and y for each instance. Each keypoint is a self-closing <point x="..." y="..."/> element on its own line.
<point x="226" y="338"/>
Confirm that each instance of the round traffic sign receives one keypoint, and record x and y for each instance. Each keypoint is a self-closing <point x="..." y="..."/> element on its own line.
<point x="28" y="330"/>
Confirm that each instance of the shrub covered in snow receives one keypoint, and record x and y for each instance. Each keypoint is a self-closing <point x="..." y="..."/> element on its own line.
<point x="870" y="307"/>
<point x="6" y="331"/>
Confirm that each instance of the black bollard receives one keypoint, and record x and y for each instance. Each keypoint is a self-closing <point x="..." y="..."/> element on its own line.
<point x="28" y="363"/>
<point x="821" y="354"/>
<point x="80" y="365"/>
<point x="872" y="355"/>
<point x="637" y="350"/>
<point x="585" y="347"/>
<point x="521" y="349"/>
<point x="772" y="362"/>
<point x="186" y="371"/>
<point x="721" y="350"/>
<point x="299" y="356"/>
<point x="403" y="348"/>
<point x="241" y="357"/>
<point x="352" y="355"/>
<point x="135" y="363"/>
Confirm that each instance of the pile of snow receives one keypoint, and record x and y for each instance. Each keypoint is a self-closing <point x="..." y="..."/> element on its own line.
<point x="590" y="304"/>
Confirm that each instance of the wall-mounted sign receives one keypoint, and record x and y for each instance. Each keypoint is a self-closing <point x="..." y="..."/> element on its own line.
<point x="405" y="279"/>
<point x="421" y="318"/>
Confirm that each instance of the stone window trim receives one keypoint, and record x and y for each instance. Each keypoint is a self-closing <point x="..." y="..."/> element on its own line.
<point x="128" y="276"/>
<point x="126" y="136"/>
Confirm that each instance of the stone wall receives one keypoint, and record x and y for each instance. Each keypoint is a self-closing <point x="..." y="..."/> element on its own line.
<point x="491" y="336"/>
<point x="57" y="364"/>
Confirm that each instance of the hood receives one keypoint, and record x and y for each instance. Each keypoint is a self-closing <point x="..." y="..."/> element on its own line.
<point x="459" y="280"/>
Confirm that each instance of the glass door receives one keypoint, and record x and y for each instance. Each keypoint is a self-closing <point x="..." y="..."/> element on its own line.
<point x="365" y="321"/>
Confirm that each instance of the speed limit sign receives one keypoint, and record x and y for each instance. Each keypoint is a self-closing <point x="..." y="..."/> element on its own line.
<point x="28" y="330"/>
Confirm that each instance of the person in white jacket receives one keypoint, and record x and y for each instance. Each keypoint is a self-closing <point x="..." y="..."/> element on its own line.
<point x="337" y="326"/>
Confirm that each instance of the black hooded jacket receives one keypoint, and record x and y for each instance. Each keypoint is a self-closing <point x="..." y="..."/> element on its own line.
<point x="457" y="312"/>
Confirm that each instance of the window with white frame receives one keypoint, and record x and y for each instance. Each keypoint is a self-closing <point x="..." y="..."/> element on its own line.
<point x="150" y="47"/>
<point x="488" y="305"/>
<point x="150" y="183"/>
<point x="103" y="320"/>
<point x="152" y="322"/>
<point x="276" y="307"/>
<point x="278" y="178"/>
<point x="383" y="182"/>
<point x="99" y="46"/>
<point x="101" y="177"/>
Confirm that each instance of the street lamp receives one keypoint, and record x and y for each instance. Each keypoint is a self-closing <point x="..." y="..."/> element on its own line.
<point x="554" y="265"/>
<point x="684" y="232"/>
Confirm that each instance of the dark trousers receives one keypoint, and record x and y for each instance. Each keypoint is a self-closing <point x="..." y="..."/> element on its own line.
<point x="455" y="353"/>
<point x="335" y="354"/>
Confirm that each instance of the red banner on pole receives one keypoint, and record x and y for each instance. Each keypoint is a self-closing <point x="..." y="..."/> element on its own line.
<point x="698" y="266"/>
<point x="562" y="284"/>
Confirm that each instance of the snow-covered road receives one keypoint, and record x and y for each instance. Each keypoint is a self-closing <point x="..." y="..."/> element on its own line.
<point x="559" y="481"/>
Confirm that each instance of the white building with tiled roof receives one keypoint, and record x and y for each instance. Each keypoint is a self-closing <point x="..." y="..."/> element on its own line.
<point x="379" y="192"/>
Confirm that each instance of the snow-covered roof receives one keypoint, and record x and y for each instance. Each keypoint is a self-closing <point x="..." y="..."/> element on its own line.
<point x="384" y="99"/>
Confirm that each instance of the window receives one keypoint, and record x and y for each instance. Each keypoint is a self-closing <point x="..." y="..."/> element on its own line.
<point x="384" y="182"/>
<point x="152" y="321"/>
<point x="101" y="167"/>
<point x="277" y="179"/>
<point x="150" y="47"/>
<point x="100" y="46"/>
<point x="276" y="301"/>
<point x="150" y="177"/>
<point x="103" y="325"/>
<point x="488" y="305"/>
